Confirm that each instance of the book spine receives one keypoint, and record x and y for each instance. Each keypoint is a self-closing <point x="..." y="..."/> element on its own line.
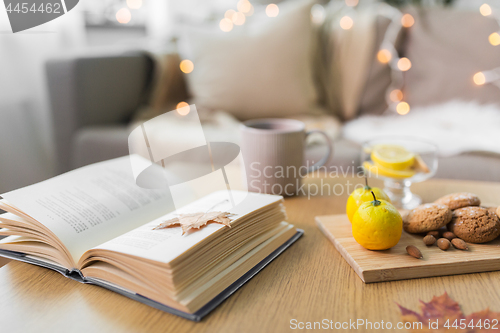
<point x="76" y="275"/>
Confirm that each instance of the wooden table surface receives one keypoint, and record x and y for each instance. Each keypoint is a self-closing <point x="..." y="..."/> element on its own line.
<point x="308" y="282"/>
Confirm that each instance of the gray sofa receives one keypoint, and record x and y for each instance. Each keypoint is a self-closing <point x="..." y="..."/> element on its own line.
<point x="92" y="100"/>
<point x="94" y="97"/>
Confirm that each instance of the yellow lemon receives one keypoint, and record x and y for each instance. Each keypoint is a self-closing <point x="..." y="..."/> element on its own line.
<point x="379" y="170"/>
<point x="362" y="195"/>
<point x="377" y="225"/>
<point x="393" y="157"/>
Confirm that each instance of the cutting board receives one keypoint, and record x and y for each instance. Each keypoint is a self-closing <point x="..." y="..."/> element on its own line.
<point x="396" y="264"/>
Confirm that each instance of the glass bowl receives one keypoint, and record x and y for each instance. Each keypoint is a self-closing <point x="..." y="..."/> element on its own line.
<point x="397" y="185"/>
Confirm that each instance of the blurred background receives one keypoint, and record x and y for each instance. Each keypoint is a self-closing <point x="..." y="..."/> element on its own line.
<point x="72" y="89"/>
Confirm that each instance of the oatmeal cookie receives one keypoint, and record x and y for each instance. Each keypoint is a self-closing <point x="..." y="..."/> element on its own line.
<point x="426" y="217"/>
<point x="475" y="224"/>
<point x="459" y="200"/>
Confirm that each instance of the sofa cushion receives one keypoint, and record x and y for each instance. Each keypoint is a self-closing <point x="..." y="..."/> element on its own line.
<point x="353" y="81"/>
<point x="260" y="69"/>
<point x="446" y="48"/>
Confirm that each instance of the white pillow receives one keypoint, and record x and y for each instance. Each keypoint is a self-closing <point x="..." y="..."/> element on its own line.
<point x="261" y="69"/>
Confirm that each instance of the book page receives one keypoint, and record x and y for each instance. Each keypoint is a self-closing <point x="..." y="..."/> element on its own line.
<point x="164" y="245"/>
<point x="91" y="205"/>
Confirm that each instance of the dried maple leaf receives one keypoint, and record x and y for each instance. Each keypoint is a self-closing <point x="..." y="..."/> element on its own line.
<point x="439" y="308"/>
<point x="196" y="220"/>
<point x="448" y="317"/>
<point x="484" y="315"/>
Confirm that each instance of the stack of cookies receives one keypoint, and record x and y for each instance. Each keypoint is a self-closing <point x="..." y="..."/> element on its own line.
<point x="460" y="214"/>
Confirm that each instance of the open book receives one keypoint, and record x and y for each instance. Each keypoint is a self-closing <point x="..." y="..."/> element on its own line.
<point x="96" y="226"/>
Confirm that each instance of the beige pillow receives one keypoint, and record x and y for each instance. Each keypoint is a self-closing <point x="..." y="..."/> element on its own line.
<point x="354" y="82"/>
<point x="260" y="69"/>
<point x="446" y="48"/>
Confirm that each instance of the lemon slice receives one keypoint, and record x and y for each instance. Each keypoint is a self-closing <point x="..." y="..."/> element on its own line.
<point x="380" y="170"/>
<point x="393" y="157"/>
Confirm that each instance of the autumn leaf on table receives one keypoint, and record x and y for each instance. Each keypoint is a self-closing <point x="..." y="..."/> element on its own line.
<point x="483" y="315"/>
<point x="196" y="220"/>
<point x="444" y="309"/>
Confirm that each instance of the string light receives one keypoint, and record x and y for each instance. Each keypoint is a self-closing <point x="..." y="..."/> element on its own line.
<point x="226" y="25"/>
<point x="238" y="18"/>
<point x="407" y="21"/>
<point x="346" y="22"/>
<point x="485" y="9"/>
<point x="272" y="10"/>
<point x="479" y="78"/>
<point x="244" y="6"/>
<point x="494" y="39"/>
<point x="183" y="108"/>
<point x="403" y="108"/>
<point x="491" y="76"/>
<point x="229" y="14"/>
<point x="123" y="16"/>
<point x="388" y="53"/>
<point x="318" y="14"/>
<point x="232" y="17"/>
<point x="186" y="66"/>
<point x="404" y="64"/>
<point x="384" y="56"/>
<point x="134" y="4"/>
<point x="396" y="95"/>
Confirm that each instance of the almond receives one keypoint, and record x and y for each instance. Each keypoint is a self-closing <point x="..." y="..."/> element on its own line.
<point x="449" y="235"/>
<point x="429" y="240"/>
<point x="414" y="251"/>
<point x="459" y="244"/>
<point x="434" y="233"/>
<point x="443" y="244"/>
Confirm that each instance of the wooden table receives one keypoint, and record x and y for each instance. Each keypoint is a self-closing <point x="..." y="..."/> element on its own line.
<point x="309" y="282"/>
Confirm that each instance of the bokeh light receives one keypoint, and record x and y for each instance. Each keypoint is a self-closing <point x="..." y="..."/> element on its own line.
<point x="494" y="39"/>
<point x="407" y="20"/>
<point x="226" y="25"/>
<point x="346" y="22"/>
<point x="244" y="6"/>
<point x="186" y="66"/>
<point x="485" y="9"/>
<point x="238" y="18"/>
<point x="134" y="4"/>
<point x="479" y="78"/>
<point x="351" y="3"/>
<point x="318" y="14"/>
<point x="403" y="108"/>
<point x="384" y="56"/>
<point x="404" y="64"/>
<point x="123" y="16"/>
<point x="272" y="10"/>
<point x="183" y="108"/>
<point x="229" y="14"/>
<point x="396" y="95"/>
